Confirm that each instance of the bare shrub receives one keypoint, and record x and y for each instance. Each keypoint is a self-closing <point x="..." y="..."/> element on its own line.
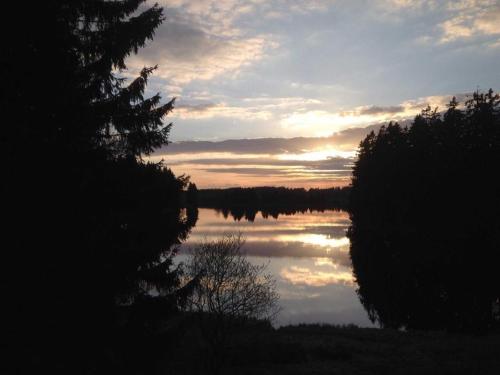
<point x="230" y="294"/>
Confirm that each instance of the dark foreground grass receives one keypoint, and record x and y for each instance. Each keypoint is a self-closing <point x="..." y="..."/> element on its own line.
<point x="319" y="349"/>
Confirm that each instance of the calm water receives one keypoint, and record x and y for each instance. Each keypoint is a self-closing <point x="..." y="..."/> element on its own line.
<point x="308" y="254"/>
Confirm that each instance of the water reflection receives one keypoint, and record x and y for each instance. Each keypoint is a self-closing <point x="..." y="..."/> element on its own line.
<point x="331" y="274"/>
<point x="308" y="253"/>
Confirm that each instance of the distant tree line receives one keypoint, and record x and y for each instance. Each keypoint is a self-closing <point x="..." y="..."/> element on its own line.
<point x="425" y="233"/>
<point x="271" y="201"/>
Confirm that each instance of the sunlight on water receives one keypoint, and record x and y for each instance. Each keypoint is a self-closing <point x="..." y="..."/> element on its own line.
<point x="318" y="155"/>
<point x="321" y="240"/>
<point x="307" y="253"/>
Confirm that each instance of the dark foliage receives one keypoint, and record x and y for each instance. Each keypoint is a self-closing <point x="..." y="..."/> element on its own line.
<point x="192" y="195"/>
<point x="90" y="228"/>
<point x="271" y="201"/>
<point x="425" y="234"/>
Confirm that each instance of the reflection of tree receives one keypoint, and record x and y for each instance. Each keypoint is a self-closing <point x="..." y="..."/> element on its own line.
<point x="425" y="231"/>
<point x="272" y="201"/>
<point x="249" y="213"/>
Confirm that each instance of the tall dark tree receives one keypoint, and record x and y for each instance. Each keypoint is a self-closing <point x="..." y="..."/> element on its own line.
<point x="90" y="226"/>
<point x="425" y="234"/>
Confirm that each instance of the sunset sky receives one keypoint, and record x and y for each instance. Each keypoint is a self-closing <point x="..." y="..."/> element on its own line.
<point x="280" y="92"/>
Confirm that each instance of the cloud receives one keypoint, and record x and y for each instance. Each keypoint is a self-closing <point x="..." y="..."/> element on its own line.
<point x="354" y="124"/>
<point x="261" y="78"/>
<point x="347" y="139"/>
<point x="196" y="108"/>
<point x="200" y="40"/>
<point x="376" y="110"/>
<point x="324" y="122"/>
<point x="184" y="53"/>
<point x="489" y="21"/>
<point x="220" y="110"/>
<point x="406" y="110"/>
<point x="457" y="20"/>
<point x="415" y="106"/>
<point x="263" y="108"/>
<point x="398" y="10"/>
<point x="319" y="121"/>
<point x="214" y="16"/>
<point x="404" y="3"/>
<point x="242" y="146"/>
<point x="265" y="171"/>
<point x="223" y="14"/>
<point x="330" y="163"/>
<point x="204" y="39"/>
<point x="267" y="161"/>
<point x="250" y="171"/>
<point x="471" y="19"/>
<point x="494" y="44"/>
<point x="271" y="171"/>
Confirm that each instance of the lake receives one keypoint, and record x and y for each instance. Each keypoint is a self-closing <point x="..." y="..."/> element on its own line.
<point x="307" y="253"/>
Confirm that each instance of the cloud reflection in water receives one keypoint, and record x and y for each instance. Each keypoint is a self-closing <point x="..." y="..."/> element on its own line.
<point x="308" y="254"/>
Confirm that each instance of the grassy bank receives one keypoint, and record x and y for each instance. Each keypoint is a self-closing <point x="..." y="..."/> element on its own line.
<point x="316" y="349"/>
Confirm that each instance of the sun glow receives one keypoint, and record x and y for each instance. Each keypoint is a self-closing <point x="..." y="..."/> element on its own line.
<point x="318" y="155"/>
<point x="312" y="167"/>
<point x="324" y="123"/>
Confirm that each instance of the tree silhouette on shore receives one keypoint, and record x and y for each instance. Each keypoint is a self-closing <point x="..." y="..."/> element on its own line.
<point x="91" y="228"/>
<point x="425" y="233"/>
<point x="272" y="201"/>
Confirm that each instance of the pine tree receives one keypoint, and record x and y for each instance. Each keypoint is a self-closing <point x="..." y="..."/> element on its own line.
<point x="64" y="76"/>
<point x="92" y="228"/>
<point x="424" y="205"/>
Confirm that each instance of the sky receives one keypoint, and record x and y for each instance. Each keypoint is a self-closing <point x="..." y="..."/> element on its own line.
<point x="281" y="92"/>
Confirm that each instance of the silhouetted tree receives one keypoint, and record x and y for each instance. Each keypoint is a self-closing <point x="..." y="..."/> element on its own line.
<point x="192" y="195"/>
<point x="425" y="231"/>
<point x="90" y="225"/>
<point x="230" y="292"/>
